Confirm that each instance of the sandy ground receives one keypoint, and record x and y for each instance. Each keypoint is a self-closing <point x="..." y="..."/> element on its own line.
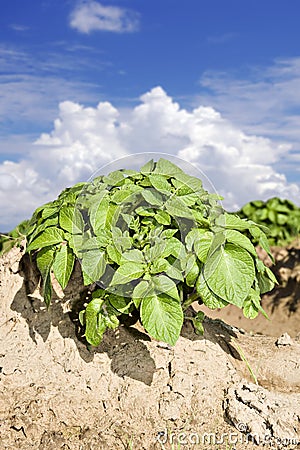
<point x="135" y="393"/>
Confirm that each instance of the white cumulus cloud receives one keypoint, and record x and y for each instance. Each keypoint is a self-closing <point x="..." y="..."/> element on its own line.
<point x="265" y="99"/>
<point x="240" y="166"/>
<point x="93" y="16"/>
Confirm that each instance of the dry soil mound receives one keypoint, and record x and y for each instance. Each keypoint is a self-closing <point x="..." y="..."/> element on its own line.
<point x="132" y="392"/>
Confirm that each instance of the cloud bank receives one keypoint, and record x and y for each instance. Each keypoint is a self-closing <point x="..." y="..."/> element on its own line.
<point x="93" y="16"/>
<point x="265" y="99"/>
<point x="239" y="165"/>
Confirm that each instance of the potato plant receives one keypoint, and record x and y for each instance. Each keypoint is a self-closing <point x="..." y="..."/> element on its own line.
<point x="150" y="242"/>
<point x="282" y="217"/>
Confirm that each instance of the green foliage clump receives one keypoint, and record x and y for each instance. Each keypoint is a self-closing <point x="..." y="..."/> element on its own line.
<point x="282" y="217"/>
<point x="150" y="242"/>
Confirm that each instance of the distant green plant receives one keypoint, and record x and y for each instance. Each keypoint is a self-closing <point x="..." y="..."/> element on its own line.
<point x="149" y="242"/>
<point x="282" y="218"/>
<point x="13" y="238"/>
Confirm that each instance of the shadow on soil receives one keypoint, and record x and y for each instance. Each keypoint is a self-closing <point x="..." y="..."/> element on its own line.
<point x="125" y="346"/>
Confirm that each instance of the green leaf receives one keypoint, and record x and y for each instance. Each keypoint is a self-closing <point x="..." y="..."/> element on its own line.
<point x="114" y="254"/>
<point x="127" y="272"/>
<point x="152" y="197"/>
<point x="256" y="300"/>
<point x="198" y="322"/>
<point x="75" y="243"/>
<point x="104" y="237"/>
<point x="259" y="265"/>
<point x="193" y="183"/>
<point x="141" y="291"/>
<point x="237" y="238"/>
<point x="232" y="221"/>
<point x="145" y="211"/>
<point x="173" y="247"/>
<point x="47" y="289"/>
<point x="155" y="232"/>
<point x="63" y="265"/>
<point x="282" y="219"/>
<point x="160" y="183"/>
<point x="165" y="167"/>
<point x="91" y="243"/>
<point x="252" y="305"/>
<point x="159" y="265"/>
<point x="86" y="279"/>
<point x="200" y="219"/>
<point x="155" y="252"/>
<point x="94" y="264"/>
<point x="176" y="208"/>
<point x="249" y="309"/>
<point x="71" y="220"/>
<point x="115" y="178"/>
<point x="44" y="260"/>
<point x="50" y="210"/>
<point x="162" y="265"/>
<point x="122" y="243"/>
<point x="203" y="244"/>
<point x="173" y="272"/>
<point x="263" y="242"/>
<point x="95" y="324"/>
<point x="145" y="182"/>
<point x="189" y="199"/>
<point x="162" y="318"/>
<point x="229" y="272"/>
<point x="181" y="188"/>
<point x="272" y="216"/>
<point x="50" y="236"/>
<point x="50" y="222"/>
<point x="148" y="167"/>
<point x="261" y="228"/>
<point x="111" y="319"/>
<point x="217" y="242"/>
<point x="98" y="211"/>
<point x="168" y="233"/>
<point x="134" y="255"/>
<point x="164" y="285"/>
<point x="119" y="303"/>
<point x="209" y="298"/>
<point x="81" y="317"/>
<point x="271" y="275"/>
<point x="122" y="196"/>
<point x="255" y="231"/>
<point x="112" y="217"/>
<point x="191" y="237"/>
<point x="7" y="244"/>
<point x="191" y="270"/>
<point x="266" y="280"/>
<point x="163" y="217"/>
<point x="38" y="212"/>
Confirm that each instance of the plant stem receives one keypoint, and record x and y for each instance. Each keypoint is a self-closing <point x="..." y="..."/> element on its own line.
<point x="242" y="355"/>
<point x="191" y="299"/>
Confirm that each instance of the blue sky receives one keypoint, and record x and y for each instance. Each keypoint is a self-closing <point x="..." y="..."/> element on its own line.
<point x="238" y="59"/>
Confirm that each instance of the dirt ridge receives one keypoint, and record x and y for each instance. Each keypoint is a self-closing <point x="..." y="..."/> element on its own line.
<point x="131" y="392"/>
